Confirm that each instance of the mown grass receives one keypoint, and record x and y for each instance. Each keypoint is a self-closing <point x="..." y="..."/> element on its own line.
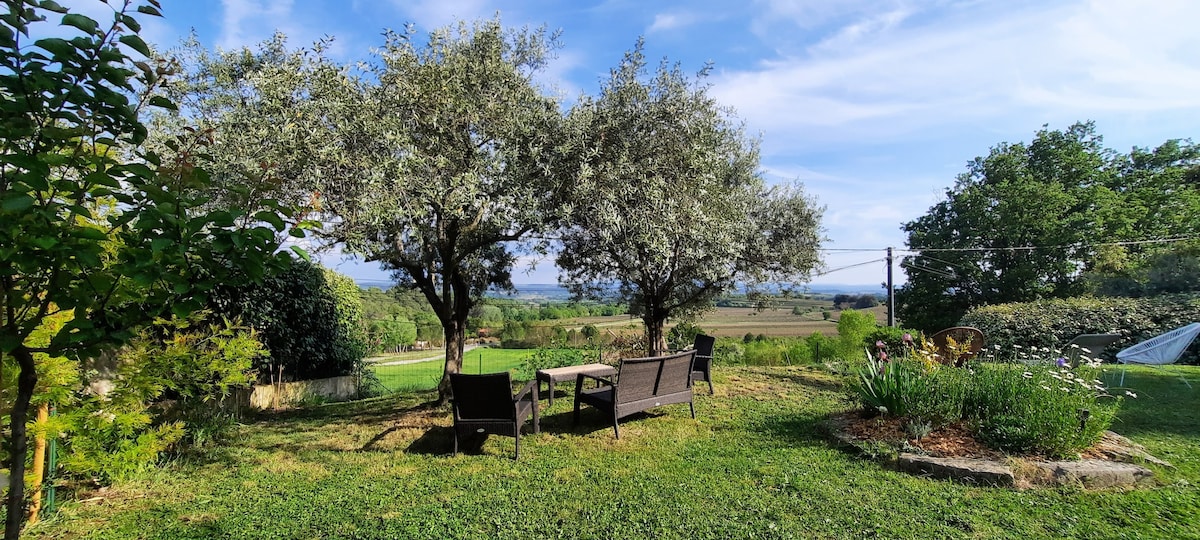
<point x="755" y="464"/>
<point x="425" y="375"/>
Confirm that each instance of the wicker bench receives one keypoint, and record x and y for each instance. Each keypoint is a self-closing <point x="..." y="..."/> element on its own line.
<point x="640" y="384"/>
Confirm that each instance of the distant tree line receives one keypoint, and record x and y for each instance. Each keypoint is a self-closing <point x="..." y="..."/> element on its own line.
<point x="855" y="301"/>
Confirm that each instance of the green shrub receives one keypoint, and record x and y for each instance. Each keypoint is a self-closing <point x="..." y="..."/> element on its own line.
<point x="547" y="359"/>
<point x="309" y="317"/>
<point x="939" y="399"/>
<point x="729" y="352"/>
<point x="683" y="335"/>
<point x="777" y="352"/>
<point x="853" y="328"/>
<point x="823" y="347"/>
<point x="892" y="338"/>
<point x="167" y="389"/>
<point x="1038" y="409"/>
<point x="763" y="353"/>
<point x="1013" y="407"/>
<point x="1052" y="323"/>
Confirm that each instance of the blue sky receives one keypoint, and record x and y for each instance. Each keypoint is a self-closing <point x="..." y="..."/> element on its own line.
<point x="875" y="106"/>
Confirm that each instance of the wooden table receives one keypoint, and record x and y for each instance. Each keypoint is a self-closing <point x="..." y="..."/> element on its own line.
<point x="570" y="373"/>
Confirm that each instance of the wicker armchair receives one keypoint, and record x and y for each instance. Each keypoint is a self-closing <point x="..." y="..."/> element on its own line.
<point x="968" y="341"/>
<point x="1090" y="345"/>
<point x="486" y="404"/>
<point x="702" y="365"/>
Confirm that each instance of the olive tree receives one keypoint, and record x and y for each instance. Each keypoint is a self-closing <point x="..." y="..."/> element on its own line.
<point x="70" y="147"/>
<point x="439" y="159"/>
<point x="457" y="156"/>
<point x="670" y="210"/>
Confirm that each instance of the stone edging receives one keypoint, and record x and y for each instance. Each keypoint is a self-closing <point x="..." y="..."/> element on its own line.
<point x="1115" y="470"/>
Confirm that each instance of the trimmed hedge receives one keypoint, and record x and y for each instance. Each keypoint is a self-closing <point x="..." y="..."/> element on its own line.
<point x="1052" y="323"/>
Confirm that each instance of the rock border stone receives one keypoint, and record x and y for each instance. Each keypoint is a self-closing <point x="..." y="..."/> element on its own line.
<point x="1112" y="463"/>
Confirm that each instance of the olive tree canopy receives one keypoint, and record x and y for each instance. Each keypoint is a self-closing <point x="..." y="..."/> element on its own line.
<point x="670" y="210"/>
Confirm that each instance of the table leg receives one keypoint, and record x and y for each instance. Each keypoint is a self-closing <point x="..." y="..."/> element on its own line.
<point x="550" y="386"/>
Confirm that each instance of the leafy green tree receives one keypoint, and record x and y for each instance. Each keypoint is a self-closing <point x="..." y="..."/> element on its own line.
<point x="390" y="334"/>
<point x="670" y="210"/>
<point x="70" y="140"/>
<point x="1063" y="193"/>
<point x="437" y="161"/>
<point x="1037" y="194"/>
<point x="460" y="156"/>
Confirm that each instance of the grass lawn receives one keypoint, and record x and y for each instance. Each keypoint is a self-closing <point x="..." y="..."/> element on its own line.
<point x="755" y="464"/>
<point x="425" y="375"/>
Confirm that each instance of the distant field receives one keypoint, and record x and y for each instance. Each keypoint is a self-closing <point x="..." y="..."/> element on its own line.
<point x="737" y="321"/>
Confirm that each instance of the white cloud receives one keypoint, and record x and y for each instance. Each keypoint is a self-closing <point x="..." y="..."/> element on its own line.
<point x="878" y="77"/>
<point x="246" y="22"/>
<point x="670" y="21"/>
<point x="431" y="14"/>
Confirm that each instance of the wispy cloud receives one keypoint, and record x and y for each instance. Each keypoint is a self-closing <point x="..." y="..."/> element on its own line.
<point x="246" y="22"/>
<point x="671" y="21"/>
<point x="431" y="14"/>
<point x="880" y="76"/>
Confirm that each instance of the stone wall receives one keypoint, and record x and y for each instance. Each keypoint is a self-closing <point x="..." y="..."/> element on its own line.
<point x="290" y="394"/>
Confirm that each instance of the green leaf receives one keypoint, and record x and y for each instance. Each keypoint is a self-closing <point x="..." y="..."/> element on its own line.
<point x="51" y="5"/>
<point x="131" y="23"/>
<point x="302" y="253"/>
<point x="163" y="102"/>
<point x="81" y="22"/>
<point x="90" y="233"/>
<point x="148" y="10"/>
<point x="134" y="42"/>
<point x="56" y="46"/>
<point x="270" y="217"/>
<point x="17" y="203"/>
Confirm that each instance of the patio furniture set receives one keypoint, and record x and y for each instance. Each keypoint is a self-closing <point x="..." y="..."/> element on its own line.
<point x="486" y="403"/>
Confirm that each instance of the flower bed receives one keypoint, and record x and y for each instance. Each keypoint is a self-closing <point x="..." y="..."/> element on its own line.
<point x="1030" y="403"/>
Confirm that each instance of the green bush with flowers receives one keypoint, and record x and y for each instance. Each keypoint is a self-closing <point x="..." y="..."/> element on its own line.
<point x="1026" y="403"/>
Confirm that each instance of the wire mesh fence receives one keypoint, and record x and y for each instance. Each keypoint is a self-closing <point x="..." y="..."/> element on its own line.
<point x="388" y="375"/>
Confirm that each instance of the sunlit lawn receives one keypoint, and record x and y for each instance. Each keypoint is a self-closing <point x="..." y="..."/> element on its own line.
<point x="425" y="375"/>
<point x="755" y="464"/>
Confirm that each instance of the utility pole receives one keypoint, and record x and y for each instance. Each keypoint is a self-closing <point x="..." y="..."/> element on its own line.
<point x="891" y="292"/>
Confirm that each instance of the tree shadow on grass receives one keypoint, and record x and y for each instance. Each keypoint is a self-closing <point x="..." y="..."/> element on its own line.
<point x="591" y="421"/>
<point x="799" y="429"/>
<point x="439" y="440"/>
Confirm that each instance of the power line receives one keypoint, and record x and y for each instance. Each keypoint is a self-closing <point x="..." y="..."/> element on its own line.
<point x="873" y="261"/>
<point x="1021" y="248"/>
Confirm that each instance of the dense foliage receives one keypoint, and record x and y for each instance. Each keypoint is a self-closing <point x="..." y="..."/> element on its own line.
<point x="1052" y="323"/>
<point x="1045" y="219"/>
<point x="95" y="225"/>
<point x="167" y="387"/>
<point x="309" y="317"/>
<point x="669" y="208"/>
<point x="119" y="413"/>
